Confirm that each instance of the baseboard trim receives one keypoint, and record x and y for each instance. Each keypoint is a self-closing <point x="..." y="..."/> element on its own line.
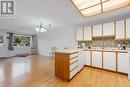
<point x="107" y="70"/>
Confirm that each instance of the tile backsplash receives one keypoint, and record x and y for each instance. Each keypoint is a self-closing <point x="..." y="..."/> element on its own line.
<point x="105" y="42"/>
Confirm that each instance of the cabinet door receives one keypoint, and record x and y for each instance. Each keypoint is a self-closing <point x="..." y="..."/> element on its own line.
<point x="79" y="57"/>
<point x="87" y="33"/>
<point x="123" y="62"/>
<point x="87" y="58"/>
<point x="81" y="60"/>
<point x="109" y="61"/>
<point x="120" y="29"/>
<point x="97" y="30"/>
<point x="108" y="29"/>
<point x="128" y="28"/>
<point x="79" y="34"/>
<point x="97" y="59"/>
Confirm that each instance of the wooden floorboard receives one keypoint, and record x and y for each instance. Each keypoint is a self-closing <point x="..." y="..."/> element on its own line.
<point x="38" y="71"/>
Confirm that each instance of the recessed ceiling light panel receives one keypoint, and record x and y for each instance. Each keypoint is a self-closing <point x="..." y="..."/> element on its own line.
<point x="114" y="4"/>
<point x="93" y="7"/>
<point x="91" y="11"/>
<point x="81" y="4"/>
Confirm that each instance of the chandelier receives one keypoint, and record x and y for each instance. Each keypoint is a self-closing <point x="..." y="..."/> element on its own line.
<point x="42" y="28"/>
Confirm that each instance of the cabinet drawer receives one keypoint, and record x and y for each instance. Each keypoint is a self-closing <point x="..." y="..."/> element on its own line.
<point x="73" y="55"/>
<point x="72" y="66"/>
<point x="73" y="60"/>
<point x="74" y="72"/>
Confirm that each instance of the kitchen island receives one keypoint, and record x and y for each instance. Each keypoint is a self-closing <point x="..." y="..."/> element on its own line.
<point x="67" y="63"/>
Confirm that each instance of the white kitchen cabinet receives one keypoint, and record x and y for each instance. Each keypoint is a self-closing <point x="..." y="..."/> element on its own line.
<point x="108" y="29"/>
<point x="97" y="30"/>
<point x="109" y="61"/>
<point x="87" y="33"/>
<point x="87" y="58"/>
<point x="73" y="73"/>
<point x="128" y="28"/>
<point x="120" y="30"/>
<point x="97" y="59"/>
<point x="79" y="34"/>
<point x="123" y="62"/>
<point x="81" y="60"/>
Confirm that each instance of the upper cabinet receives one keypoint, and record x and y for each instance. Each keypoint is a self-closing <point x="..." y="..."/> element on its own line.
<point x="120" y="31"/>
<point x="97" y="30"/>
<point x="87" y="33"/>
<point x="79" y="34"/>
<point x="108" y="29"/>
<point x="128" y="28"/>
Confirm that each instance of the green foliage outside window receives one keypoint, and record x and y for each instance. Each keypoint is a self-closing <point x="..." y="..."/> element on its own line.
<point x="21" y="40"/>
<point x="17" y="39"/>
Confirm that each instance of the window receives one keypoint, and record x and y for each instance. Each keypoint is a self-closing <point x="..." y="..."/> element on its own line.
<point x="21" y="40"/>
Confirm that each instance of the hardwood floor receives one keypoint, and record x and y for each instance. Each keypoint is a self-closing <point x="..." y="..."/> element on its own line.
<point x="38" y="71"/>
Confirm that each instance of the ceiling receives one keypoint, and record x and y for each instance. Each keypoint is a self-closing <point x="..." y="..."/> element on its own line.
<point x="58" y="13"/>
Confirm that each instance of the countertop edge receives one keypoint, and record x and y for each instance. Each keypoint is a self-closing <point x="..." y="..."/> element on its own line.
<point x="71" y="51"/>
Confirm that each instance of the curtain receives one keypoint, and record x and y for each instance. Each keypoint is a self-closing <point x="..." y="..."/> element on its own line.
<point x="10" y="41"/>
<point x="34" y="44"/>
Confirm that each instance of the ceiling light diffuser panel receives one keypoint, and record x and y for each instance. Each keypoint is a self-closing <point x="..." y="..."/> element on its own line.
<point x="93" y="7"/>
<point x="114" y="4"/>
<point x="91" y="11"/>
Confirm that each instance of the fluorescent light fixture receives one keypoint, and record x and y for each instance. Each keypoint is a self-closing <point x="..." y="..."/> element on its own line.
<point x="81" y="4"/>
<point x="92" y="11"/>
<point x="114" y="4"/>
<point x="93" y="7"/>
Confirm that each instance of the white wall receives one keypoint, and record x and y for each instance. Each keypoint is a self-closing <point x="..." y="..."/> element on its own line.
<point x="59" y="38"/>
<point x="4" y="52"/>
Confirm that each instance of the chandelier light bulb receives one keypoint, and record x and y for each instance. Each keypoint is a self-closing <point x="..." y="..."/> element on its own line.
<point x="37" y="29"/>
<point x="43" y="30"/>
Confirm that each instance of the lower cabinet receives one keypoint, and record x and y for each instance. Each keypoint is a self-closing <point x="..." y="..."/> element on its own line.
<point x="123" y="62"/>
<point x="72" y="73"/>
<point x="67" y="65"/>
<point x="88" y="58"/>
<point x="81" y="60"/>
<point x="109" y="61"/>
<point x="97" y="59"/>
